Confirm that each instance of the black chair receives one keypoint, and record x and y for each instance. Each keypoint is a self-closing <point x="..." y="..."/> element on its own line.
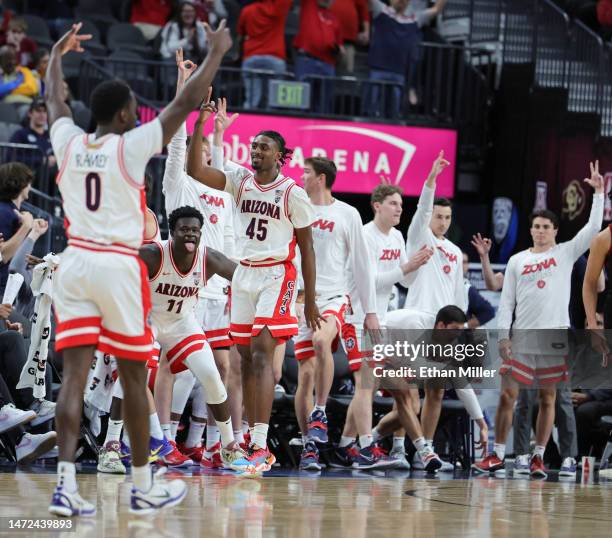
<point x="38" y="30"/>
<point x="7" y="130"/>
<point x="9" y="113"/>
<point x="127" y="65"/>
<point x="125" y="36"/>
<point x="88" y="27"/>
<point x="100" y="13"/>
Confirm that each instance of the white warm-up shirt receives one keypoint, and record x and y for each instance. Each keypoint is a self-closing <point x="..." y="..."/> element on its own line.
<point x="537" y="285"/>
<point x="439" y="282"/>
<point x="217" y="207"/>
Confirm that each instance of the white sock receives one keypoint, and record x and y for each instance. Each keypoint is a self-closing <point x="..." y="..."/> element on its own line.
<point x="239" y="436"/>
<point x="143" y="480"/>
<point x="155" y="428"/>
<point x="226" y="432"/>
<point x="126" y="439"/>
<point x="66" y="476"/>
<point x="419" y="443"/>
<point x="174" y="424"/>
<point x="539" y="451"/>
<point x="500" y="450"/>
<point x="345" y="441"/>
<point x="318" y="408"/>
<point x="429" y="442"/>
<point x="167" y="431"/>
<point x="376" y="436"/>
<point x="196" y="430"/>
<point x="398" y="443"/>
<point x="113" y="433"/>
<point x="304" y="439"/>
<point x="213" y="436"/>
<point x="260" y="435"/>
<point x="365" y="440"/>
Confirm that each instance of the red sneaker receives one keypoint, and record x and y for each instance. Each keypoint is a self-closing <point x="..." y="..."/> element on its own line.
<point x="193" y="452"/>
<point x="175" y="458"/>
<point x="536" y="467"/>
<point x="211" y="459"/>
<point x="490" y="464"/>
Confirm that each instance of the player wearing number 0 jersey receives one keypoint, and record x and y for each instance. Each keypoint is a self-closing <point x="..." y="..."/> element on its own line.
<point x="178" y="269"/>
<point x="102" y="298"/>
<point x="536" y="293"/>
<point x="273" y="217"/>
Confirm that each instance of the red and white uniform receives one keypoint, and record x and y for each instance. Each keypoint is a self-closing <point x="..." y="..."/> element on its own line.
<point x="389" y="253"/>
<point x="217" y="208"/>
<point x="173" y="296"/>
<point x="340" y="246"/>
<point x="537" y="291"/>
<point x="439" y="282"/>
<point x="264" y="286"/>
<point x="102" y="296"/>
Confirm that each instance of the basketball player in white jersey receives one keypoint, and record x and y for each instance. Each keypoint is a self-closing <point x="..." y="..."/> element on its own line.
<point x="212" y="309"/>
<point x="339" y="244"/>
<point x="273" y="217"/>
<point x="178" y="269"/>
<point x="536" y="291"/>
<point x="387" y="249"/>
<point x="102" y="299"/>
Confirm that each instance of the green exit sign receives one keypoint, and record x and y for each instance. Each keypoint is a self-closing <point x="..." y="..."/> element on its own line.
<point x="288" y="94"/>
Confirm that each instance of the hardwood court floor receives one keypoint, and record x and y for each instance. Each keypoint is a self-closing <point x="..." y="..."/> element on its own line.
<point x="355" y="505"/>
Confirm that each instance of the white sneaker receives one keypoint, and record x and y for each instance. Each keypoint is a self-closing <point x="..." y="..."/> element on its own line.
<point x="32" y="447"/>
<point x="522" y="464"/>
<point x="399" y="456"/>
<point x="447" y="467"/>
<point x="109" y="459"/>
<point x="568" y="468"/>
<point x="10" y="417"/>
<point x="53" y="453"/>
<point x="68" y="504"/>
<point x="417" y="464"/>
<point x="45" y="410"/>
<point x="162" y="494"/>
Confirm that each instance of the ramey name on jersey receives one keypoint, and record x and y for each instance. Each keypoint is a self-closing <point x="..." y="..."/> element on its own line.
<point x="266" y="216"/>
<point x="175" y="294"/>
<point x="101" y="181"/>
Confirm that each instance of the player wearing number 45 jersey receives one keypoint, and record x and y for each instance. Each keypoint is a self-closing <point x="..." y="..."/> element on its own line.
<point x="273" y="214"/>
<point x="102" y="299"/>
<point x="178" y="269"/>
<point x="536" y="290"/>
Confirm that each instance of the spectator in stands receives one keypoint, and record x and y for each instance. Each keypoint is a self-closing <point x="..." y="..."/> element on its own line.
<point x="261" y="32"/>
<point x="17" y="38"/>
<point x="604" y="16"/>
<point x="354" y="18"/>
<point x="590" y="406"/>
<point x="40" y="61"/>
<point x="394" y="37"/>
<point x="150" y="16"/>
<point x="18" y="84"/>
<point x="480" y="311"/>
<point x="210" y="11"/>
<point x="36" y="132"/>
<point x="185" y="32"/>
<point x="15" y="182"/>
<point x="319" y="46"/>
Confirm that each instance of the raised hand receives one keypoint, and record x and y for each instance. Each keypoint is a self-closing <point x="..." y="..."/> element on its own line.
<point x="439" y="165"/>
<point x="220" y="39"/>
<point x="185" y="67"/>
<point x="71" y="40"/>
<point x="207" y="108"/>
<point x="596" y="180"/>
<point x="481" y="244"/>
<point x="222" y="121"/>
<point x="420" y="257"/>
<point x="39" y="227"/>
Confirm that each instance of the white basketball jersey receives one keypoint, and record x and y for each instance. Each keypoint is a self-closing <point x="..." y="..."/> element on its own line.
<point x="174" y="294"/>
<point x="266" y="216"/>
<point x="102" y="182"/>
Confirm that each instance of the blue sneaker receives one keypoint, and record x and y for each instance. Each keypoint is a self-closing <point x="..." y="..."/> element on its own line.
<point x="568" y="468"/>
<point x="125" y="454"/>
<point x="521" y="464"/>
<point x="372" y="457"/>
<point x="345" y="456"/>
<point x="310" y="457"/>
<point x="163" y="494"/>
<point x="67" y="504"/>
<point x="158" y="448"/>
<point x="317" y="426"/>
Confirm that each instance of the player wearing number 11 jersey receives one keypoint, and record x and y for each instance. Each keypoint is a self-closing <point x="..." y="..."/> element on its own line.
<point x="273" y="216"/>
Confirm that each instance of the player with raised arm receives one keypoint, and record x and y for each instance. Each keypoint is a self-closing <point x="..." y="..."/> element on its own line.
<point x="102" y="299"/>
<point x="273" y="216"/>
<point x="339" y="244"/>
<point x="494" y="281"/>
<point x="536" y="295"/>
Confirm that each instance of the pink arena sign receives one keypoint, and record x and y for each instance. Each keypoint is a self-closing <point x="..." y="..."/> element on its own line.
<point x="363" y="152"/>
